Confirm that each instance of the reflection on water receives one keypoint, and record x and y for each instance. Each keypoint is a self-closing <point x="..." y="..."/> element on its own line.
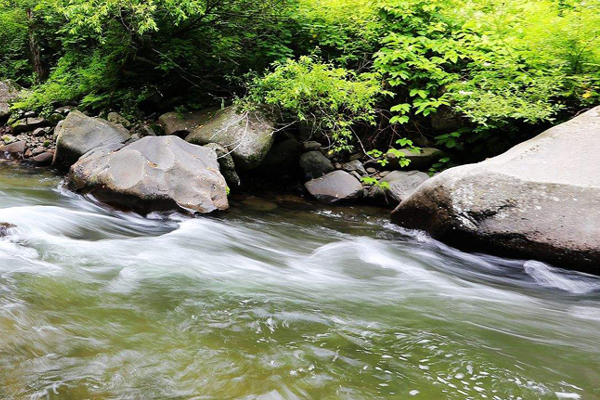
<point x="296" y="301"/>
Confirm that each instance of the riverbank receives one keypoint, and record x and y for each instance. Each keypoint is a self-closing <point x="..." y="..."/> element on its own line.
<point x="526" y="203"/>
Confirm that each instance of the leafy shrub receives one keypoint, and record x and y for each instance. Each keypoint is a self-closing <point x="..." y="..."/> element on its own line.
<point x="329" y="99"/>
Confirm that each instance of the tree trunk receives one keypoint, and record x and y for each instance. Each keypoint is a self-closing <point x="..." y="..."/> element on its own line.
<point x="35" y="52"/>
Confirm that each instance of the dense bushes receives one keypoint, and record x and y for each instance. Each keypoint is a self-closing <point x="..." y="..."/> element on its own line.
<point x="470" y="76"/>
<point x="326" y="99"/>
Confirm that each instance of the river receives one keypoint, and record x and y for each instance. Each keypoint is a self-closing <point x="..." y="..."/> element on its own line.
<point x="297" y="302"/>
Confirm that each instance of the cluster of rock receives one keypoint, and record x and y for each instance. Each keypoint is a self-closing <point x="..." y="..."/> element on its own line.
<point x="541" y="199"/>
<point x="248" y="137"/>
<point x="26" y="135"/>
<point x="331" y="182"/>
<point x="93" y="151"/>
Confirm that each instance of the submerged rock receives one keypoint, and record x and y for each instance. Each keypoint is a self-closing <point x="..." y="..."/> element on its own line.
<point x="541" y="199"/>
<point x="334" y="187"/>
<point x="153" y="173"/>
<point x="258" y="204"/>
<point x="4" y="227"/>
<point x="78" y="134"/>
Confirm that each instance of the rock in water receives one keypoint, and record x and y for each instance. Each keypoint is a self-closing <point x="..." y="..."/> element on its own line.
<point x="248" y="135"/>
<point x="14" y="150"/>
<point x="78" y="134"/>
<point x="334" y="187"/>
<point x="4" y="227"/>
<point x="541" y="199"/>
<point x="153" y="173"/>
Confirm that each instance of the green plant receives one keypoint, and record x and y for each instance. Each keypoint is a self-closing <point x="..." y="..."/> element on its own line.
<point x="330" y="99"/>
<point x="372" y="181"/>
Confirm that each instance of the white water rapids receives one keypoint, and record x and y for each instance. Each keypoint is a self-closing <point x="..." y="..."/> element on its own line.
<point x="293" y="303"/>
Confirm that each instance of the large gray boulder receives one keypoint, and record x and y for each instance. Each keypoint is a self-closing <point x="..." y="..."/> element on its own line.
<point x="541" y="199"/>
<point x="78" y="134"/>
<point x="335" y="186"/>
<point x="248" y="135"/>
<point x="153" y="173"/>
<point x="8" y="92"/>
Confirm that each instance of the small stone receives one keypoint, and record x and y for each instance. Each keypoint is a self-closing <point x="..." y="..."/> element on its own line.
<point x="371" y="170"/>
<point x="55" y="118"/>
<point x="39" y="132"/>
<point x="64" y="110"/>
<point x="43" y="159"/>
<point x="354" y="166"/>
<point x="356" y="175"/>
<point x="28" y="124"/>
<point x="421" y="160"/>
<point x="38" y="150"/>
<point x="7" y="139"/>
<point x="258" y="204"/>
<point x="4" y="227"/>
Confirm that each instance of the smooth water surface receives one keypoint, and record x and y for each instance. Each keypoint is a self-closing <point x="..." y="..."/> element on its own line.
<point x="297" y="302"/>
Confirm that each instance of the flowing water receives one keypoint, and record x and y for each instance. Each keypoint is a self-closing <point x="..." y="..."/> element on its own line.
<point x="297" y="302"/>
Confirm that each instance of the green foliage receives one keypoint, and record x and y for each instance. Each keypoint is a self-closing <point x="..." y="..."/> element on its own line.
<point x="329" y="99"/>
<point x="361" y="72"/>
<point x="371" y="181"/>
<point x="14" y="62"/>
<point x="499" y="64"/>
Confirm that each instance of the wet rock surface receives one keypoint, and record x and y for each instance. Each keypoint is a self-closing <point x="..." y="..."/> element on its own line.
<point x="335" y="186"/>
<point x="153" y="173"/>
<point x="541" y="199"/>
<point x="79" y="134"/>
